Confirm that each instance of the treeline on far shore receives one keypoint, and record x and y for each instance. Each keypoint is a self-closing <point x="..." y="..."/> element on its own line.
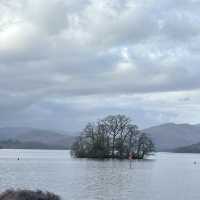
<point x="112" y="137"/>
<point x="16" y="144"/>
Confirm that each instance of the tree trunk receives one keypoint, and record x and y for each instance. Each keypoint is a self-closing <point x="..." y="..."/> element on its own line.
<point x="138" y="150"/>
<point x="113" y="147"/>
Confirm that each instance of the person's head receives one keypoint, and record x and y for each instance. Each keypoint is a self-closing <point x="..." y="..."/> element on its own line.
<point x="27" y="195"/>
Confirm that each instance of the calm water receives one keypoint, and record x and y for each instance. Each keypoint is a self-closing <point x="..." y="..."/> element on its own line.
<point x="165" y="176"/>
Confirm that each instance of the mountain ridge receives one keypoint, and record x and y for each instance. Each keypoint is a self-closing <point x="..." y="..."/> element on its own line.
<point x="193" y="148"/>
<point x="169" y="136"/>
<point x="24" y="136"/>
<point x="166" y="137"/>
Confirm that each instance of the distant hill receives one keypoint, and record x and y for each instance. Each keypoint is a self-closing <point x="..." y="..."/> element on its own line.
<point x="16" y="144"/>
<point x="194" y="148"/>
<point x="171" y="136"/>
<point x="166" y="137"/>
<point x="23" y="137"/>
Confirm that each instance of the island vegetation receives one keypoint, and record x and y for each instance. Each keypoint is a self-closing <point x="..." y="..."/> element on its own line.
<point x="112" y="137"/>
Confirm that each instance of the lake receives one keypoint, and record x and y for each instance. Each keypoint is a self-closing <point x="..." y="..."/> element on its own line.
<point x="164" y="176"/>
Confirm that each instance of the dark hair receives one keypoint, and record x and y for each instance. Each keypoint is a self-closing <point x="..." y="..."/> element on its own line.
<point x="27" y="195"/>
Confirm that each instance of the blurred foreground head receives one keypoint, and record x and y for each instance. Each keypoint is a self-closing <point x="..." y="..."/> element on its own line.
<point x="27" y="195"/>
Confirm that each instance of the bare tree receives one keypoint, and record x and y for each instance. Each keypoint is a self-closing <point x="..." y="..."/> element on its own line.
<point x="144" y="146"/>
<point x="112" y="137"/>
<point x="111" y="123"/>
<point x="132" y="138"/>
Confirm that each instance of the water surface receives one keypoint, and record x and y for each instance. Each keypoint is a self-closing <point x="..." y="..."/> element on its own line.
<point x="164" y="176"/>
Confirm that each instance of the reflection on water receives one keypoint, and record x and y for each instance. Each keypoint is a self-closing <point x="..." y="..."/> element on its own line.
<point x="163" y="176"/>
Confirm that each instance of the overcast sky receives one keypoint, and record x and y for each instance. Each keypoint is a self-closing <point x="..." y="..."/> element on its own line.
<point x="64" y="63"/>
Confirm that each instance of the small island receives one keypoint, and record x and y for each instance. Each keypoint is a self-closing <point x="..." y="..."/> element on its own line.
<point x="112" y="137"/>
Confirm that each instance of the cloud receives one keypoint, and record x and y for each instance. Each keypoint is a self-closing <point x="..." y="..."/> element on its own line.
<point x="48" y="15"/>
<point x="59" y="58"/>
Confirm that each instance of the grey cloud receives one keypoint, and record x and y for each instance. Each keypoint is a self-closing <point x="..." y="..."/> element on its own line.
<point x="48" y="15"/>
<point x="54" y="52"/>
